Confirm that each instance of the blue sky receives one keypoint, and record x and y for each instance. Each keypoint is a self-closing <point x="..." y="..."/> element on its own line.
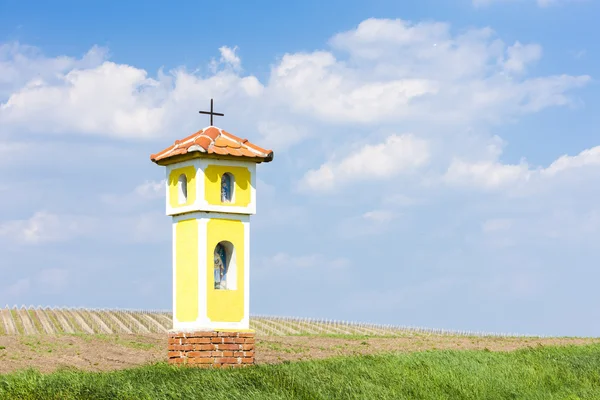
<point x="436" y="164"/>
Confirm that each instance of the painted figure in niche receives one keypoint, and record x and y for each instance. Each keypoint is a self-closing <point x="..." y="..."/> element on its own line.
<point x="226" y="189"/>
<point x="220" y="267"/>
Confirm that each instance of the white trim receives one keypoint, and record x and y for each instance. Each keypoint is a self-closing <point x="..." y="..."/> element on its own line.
<point x="208" y="326"/>
<point x="204" y="215"/>
<point x="246" y="319"/>
<point x="196" y="147"/>
<point x="174" y="257"/>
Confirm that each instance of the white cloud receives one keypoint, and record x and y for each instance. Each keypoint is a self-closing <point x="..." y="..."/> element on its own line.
<point x="398" y="154"/>
<point x="281" y="135"/>
<point x="286" y="261"/>
<point x="318" y="84"/>
<point x="109" y="99"/>
<point x="520" y="55"/>
<point x="578" y="54"/>
<point x="588" y="157"/>
<point x="387" y="71"/>
<point x="20" y="64"/>
<point x="144" y="192"/>
<point x="99" y="97"/>
<point x="486" y="174"/>
<point x="373" y="222"/>
<point x="492" y="174"/>
<point x="151" y="227"/>
<point x="151" y="189"/>
<point x="380" y="216"/>
<point x="400" y="200"/>
<point x="465" y="72"/>
<point x="45" y="227"/>
<point x="228" y="56"/>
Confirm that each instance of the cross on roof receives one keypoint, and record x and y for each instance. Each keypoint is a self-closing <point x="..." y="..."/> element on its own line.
<point x="211" y="113"/>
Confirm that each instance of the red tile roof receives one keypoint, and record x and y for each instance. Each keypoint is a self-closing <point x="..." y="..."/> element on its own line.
<point x="215" y="141"/>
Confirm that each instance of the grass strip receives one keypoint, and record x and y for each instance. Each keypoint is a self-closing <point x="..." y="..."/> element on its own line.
<point x="569" y="372"/>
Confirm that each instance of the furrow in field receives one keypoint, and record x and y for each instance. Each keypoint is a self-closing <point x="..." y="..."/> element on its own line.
<point x="367" y="330"/>
<point x="285" y="330"/>
<point x="311" y="327"/>
<point x="139" y="327"/>
<point x="153" y="322"/>
<point x="286" y="326"/>
<point x="28" y="327"/>
<point x="260" y="328"/>
<point x="9" y="324"/>
<point x="268" y="328"/>
<point x="304" y="327"/>
<point x="62" y="319"/>
<point x="122" y="327"/>
<point x="79" y="320"/>
<point x="166" y="320"/>
<point x="46" y="324"/>
<point x="104" y="328"/>
<point x="307" y="327"/>
<point x="335" y="329"/>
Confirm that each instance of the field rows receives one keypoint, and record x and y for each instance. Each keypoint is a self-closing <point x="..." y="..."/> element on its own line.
<point x="45" y="320"/>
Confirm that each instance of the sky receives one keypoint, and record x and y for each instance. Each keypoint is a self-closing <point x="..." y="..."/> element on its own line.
<point x="436" y="162"/>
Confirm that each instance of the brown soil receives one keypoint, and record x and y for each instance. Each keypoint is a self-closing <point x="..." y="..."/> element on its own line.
<point x="102" y="353"/>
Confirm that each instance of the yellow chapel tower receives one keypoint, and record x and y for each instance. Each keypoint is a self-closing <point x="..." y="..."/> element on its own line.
<point x="210" y="193"/>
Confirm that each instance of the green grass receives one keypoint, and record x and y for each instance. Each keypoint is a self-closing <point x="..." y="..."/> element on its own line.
<point x="571" y="372"/>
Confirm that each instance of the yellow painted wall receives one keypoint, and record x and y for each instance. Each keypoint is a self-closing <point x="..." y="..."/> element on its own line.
<point x="190" y="173"/>
<point x="225" y="305"/>
<point x="212" y="187"/>
<point x="186" y="270"/>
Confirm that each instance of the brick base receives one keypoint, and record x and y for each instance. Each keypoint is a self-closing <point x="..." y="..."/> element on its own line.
<point x="211" y="349"/>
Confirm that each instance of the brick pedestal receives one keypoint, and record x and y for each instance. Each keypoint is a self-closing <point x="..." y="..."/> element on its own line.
<point x="211" y="349"/>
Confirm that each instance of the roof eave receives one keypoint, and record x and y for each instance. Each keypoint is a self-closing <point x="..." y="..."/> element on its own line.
<point x="194" y="155"/>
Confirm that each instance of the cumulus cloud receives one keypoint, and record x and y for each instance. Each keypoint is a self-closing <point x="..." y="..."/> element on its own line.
<point x="382" y="71"/>
<point x="372" y="222"/>
<point x="588" y="157"/>
<point x="95" y="96"/>
<point x="320" y="85"/>
<point x="520" y="55"/>
<point x="21" y="64"/>
<point x="44" y="227"/>
<point x="397" y="154"/>
<point x="492" y="174"/>
<point x="228" y="56"/>
<point x="144" y="192"/>
<point x="486" y="174"/>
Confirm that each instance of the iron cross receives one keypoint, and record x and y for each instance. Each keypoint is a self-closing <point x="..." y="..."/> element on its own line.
<point x="211" y="113"/>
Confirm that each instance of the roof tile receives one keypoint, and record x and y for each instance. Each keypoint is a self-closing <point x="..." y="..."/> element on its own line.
<point x="221" y="142"/>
